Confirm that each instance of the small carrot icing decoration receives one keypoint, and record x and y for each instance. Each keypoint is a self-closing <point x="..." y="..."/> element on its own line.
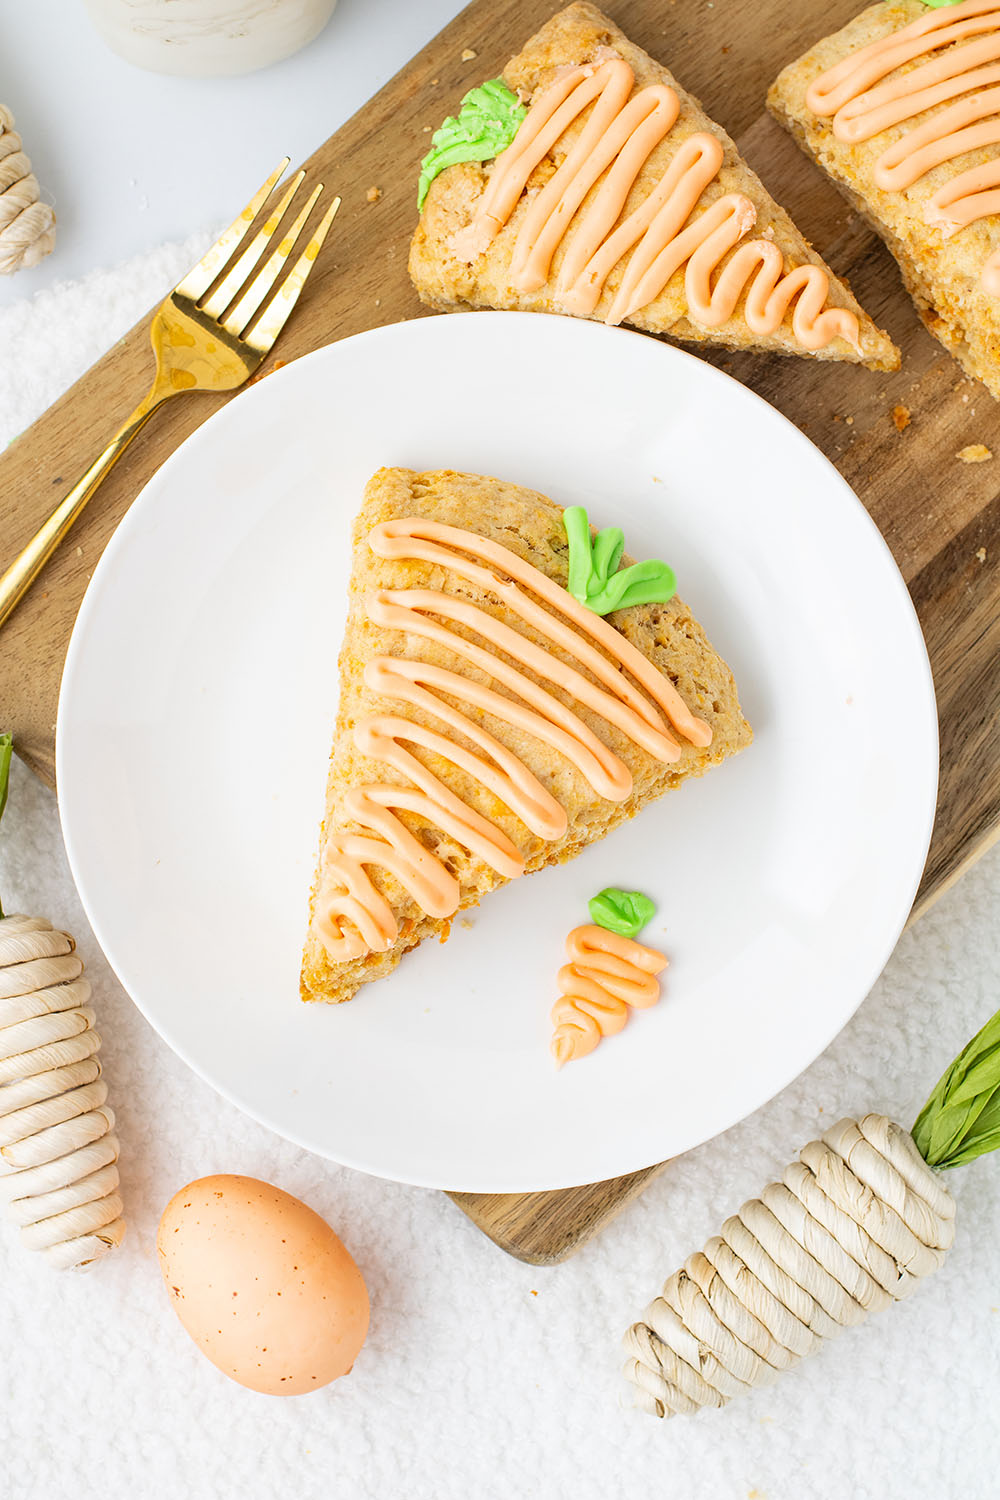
<point x="608" y="972"/>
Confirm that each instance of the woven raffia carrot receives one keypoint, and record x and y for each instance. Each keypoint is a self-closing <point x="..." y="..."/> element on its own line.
<point x="57" y="1139"/>
<point x="852" y="1226"/>
<point x="27" y="225"/>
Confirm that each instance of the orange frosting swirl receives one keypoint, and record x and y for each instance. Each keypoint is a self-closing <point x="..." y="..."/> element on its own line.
<point x="619" y="135"/>
<point x="606" y="975"/>
<point x="612" y="679"/>
<point x="863" y="106"/>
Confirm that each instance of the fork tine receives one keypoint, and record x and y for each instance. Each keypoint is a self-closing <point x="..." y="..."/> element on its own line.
<point x="233" y="282"/>
<point x="262" y="283"/>
<point x="285" y="298"/>
<point x="198" y="280"/>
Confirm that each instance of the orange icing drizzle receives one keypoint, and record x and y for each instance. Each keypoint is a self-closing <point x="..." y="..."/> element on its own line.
<point x="606" y="974"/>
<point x="861" y="110"/>
<point x="615" y="143"/>
<point x="352" y="917"/>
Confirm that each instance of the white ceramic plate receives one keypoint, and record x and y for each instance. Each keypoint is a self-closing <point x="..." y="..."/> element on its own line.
<point x="199" y="697"/>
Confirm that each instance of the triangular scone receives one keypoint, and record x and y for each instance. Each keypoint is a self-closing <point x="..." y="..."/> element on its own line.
<point x="733" y="291"/>
<point x="412" y="619"/>
<point x="905" y="124"/>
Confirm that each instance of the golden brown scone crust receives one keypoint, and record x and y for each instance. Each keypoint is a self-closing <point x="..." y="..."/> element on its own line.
<point x="531" y="526"/>
<point x="941" y="275"/>
<point x="576" y="35"/>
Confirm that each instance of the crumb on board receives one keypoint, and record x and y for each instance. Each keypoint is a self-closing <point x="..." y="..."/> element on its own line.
<point x="901" y="417"/>
<point x="468" y="55"/>
<point x="975" y="453"/>
<point x="849" y="421"/>
<point x="464" y="922"/>
<point x="427" y="129"/>
<point x="981" y="554"/>
<point x="373" y="194"/>
<point x="278" y="365"/>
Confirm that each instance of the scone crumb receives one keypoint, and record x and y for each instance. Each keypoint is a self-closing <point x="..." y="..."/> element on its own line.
<point x="373" y="194"/>
<point x="468" y="55"/>
<point x="263" y="374"/>
<point x="975" y="453"/>
<point x="901" y="417"/>
<point x="980" y="554"/>
<point x="849" y="421"/>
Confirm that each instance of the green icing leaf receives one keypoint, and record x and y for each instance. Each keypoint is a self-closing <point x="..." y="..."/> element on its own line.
<point x="594" y="579"/>
<point x="961" y="1119"/>
<point x="936" y="4"/>
<point x="624" y="912"/>
<point x="487" y="123"/>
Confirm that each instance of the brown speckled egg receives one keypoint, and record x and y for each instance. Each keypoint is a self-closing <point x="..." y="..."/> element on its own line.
<point x="262" y="1284"/>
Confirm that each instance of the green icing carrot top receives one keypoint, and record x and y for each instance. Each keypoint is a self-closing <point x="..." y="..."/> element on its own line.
<point x="624" y="912"/>
<point x="594" y="577"/>
<point x="487" y="123"/>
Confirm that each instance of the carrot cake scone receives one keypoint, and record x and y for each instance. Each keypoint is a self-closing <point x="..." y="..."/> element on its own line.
<point x="512" y="688"/>
<point x="587" y="181"/>
<point x="902" y="109"/>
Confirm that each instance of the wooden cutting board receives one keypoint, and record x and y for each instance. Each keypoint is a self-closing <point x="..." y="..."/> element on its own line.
<point x="941" y="517"/>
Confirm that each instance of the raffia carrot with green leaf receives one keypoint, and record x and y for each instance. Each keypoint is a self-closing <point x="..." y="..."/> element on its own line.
<point x="57" y="1139"/>
<point x="853" y="1225"/>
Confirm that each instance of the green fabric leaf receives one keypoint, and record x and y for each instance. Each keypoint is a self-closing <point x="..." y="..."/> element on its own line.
<point x="961" y="1119"/>
<point x="594" y="579"/>
<point x="487" y="122"/>
<point x="624" y="912"/>
<point x="6" y="751"/>
<point x="983" y="1138"/>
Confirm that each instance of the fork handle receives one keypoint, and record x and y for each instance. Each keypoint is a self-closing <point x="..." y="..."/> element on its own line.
<point x="29" y="563"/>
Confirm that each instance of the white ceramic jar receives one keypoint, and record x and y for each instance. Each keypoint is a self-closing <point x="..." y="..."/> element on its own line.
<point x="208" y="38"/>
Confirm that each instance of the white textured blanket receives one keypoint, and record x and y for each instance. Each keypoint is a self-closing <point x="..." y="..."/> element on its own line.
<point x="481" y="1377"/>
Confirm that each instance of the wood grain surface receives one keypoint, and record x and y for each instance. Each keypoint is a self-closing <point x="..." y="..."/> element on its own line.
<point x="940" y="516"/>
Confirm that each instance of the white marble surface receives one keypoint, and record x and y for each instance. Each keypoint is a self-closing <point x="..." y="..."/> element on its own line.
<point x="481" y="1377"/>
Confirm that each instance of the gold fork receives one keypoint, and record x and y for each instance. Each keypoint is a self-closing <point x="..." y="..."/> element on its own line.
<point x="196" y="348"/>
